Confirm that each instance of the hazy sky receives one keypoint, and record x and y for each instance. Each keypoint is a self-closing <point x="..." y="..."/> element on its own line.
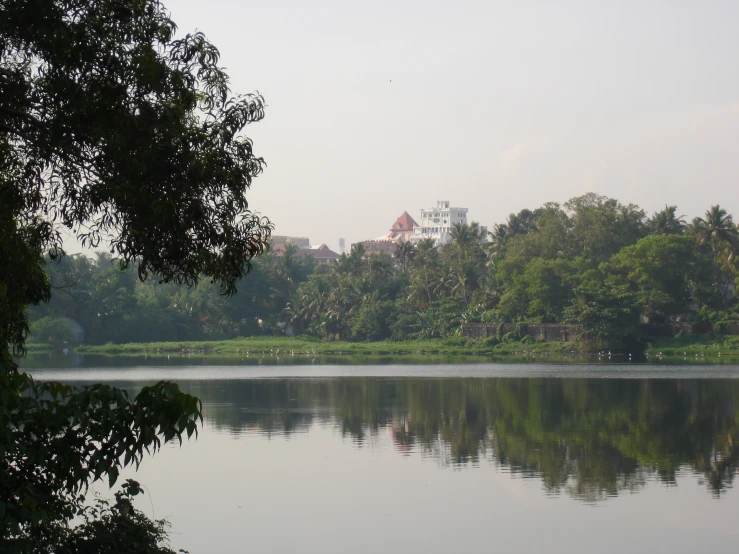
<point x="379" y="107"/>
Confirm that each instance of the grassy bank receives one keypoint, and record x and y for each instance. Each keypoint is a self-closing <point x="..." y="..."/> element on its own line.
<point x="692" y="345"/>
<point x="39" y="347"/>
<point x="305" y="346"/>
<point x="700" y="345"/>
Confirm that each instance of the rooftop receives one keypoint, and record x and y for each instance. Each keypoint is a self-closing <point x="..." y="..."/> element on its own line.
<point x="404" y="223"/>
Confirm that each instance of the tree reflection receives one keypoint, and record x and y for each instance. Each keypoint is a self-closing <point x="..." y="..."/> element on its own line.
<point x="589" y="438"/>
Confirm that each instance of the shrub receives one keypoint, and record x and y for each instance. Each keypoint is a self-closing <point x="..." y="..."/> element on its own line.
<point x="53" y="330"/>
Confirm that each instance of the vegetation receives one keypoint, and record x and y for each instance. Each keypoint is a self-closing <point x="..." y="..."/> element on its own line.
<point x="298" y="346"/>
<point x="115" y="131"/>
<point x="691" y="345"/>
<point x="593" y="262"/>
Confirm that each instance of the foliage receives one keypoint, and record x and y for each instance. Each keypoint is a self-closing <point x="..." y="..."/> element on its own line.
<point x="717" y="235"/>
<point x="605" y="310"/>
<point x="157" y="167"/>
<point x="116" y="528"/>
<point x="127" y="137"/>
<point x="53" y="330"/>
<point x="58" y="439"/>
<point x="552" y="266"/>
<point x="664" y="271"/>
<point x="665" y="222"/>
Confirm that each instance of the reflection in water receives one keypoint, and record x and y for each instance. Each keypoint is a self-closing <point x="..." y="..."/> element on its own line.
<point x="589" y="438"/>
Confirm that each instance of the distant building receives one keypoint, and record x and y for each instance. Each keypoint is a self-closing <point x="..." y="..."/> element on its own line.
<point x="437" y="223"/>
<point x="320" y="252"/>
<point x="342" y="246"/>
<point x="300" y="242"/>
<point x="401" y="231"/>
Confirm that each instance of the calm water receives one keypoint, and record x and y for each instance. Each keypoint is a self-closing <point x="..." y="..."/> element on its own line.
<point x="446" y="458"/>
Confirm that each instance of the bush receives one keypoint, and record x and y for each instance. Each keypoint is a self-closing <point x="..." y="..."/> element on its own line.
<point x="721" y="326"/>
<point x="53" y="330"/>
<point x="456" y="341"/>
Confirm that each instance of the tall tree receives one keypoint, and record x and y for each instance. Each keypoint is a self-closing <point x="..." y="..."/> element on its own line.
<point x="718" y="234"/>
<point x="716" y="230"/>
<point x="664" y="272"/>
<point x="601" y="226"/>
<point x="665" y="222"/>
<point x="404" y="252"/>
<point x="111" y="128"/>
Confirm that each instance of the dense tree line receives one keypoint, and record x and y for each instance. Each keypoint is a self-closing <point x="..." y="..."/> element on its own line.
<point x="593" y="261"/>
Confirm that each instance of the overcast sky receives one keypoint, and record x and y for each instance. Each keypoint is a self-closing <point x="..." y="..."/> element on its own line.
<point x="378" y="107"/>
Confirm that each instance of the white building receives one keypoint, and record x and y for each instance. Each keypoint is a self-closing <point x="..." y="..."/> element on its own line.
<point x="437" y="223"/>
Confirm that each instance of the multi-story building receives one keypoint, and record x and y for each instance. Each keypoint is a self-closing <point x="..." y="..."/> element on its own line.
<point x="437" y="223"/>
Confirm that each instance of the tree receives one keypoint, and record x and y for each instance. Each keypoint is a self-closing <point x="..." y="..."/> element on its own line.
<point x="601" y="226"/>
<point x="605" y="309"/>
<point x="546" y="235"/>
<point x="717" y="230"/>
<point x="404" y="252"/>
<point x="665" y="222"/>
<point x="521" y="223"/>
<point x="663" y="271"/>
<point x="116" y="131"/>
<point x="426" y="275"/>
<point x="465" y="259"/>
<point x="718" y="234"/>
<point x="541" y="293"/>
<point x="113" y="129"/>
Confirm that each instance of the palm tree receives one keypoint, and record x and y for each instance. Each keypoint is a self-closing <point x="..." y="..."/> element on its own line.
<point x="665" y="222"/>
<point x="498" y="236"/>
<point x="356" y="258"/>
<point x="425" y="246"/>
<point x="464" y="235"/>
<point x="288" y="268"/>
<point x="404" y="253"/>
<point x="718" y="231"/>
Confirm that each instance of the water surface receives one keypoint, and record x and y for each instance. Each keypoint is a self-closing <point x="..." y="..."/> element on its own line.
<point x="446" y="458"/>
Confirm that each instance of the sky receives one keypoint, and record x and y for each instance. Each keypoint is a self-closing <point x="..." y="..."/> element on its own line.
<point x="375" y="108"/>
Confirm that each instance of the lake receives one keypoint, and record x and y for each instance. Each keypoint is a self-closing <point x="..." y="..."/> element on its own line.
<point x="456" y="457"/>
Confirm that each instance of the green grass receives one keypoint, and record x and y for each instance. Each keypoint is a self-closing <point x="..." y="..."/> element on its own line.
<point x="39" y="347"/>
<point x="703" y="345"/>
<point x="305" y="345"/>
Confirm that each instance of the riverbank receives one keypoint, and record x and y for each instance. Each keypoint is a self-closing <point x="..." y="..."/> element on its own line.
<point x="694" y="345"/>
<point x="700" y="345"/>
<point x="309" y="346"/>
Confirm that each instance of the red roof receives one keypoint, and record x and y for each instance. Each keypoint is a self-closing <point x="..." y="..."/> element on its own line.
<point x="404" y="223"/>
